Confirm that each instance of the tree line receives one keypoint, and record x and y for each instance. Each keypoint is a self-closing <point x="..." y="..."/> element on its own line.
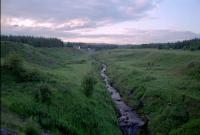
<point x="193" y="44"/>
<point x="96" y="46"/>
<point x="34" y="41"/>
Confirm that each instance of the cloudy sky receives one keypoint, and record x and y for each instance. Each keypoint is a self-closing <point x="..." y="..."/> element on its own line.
<point x="103" y="21"/>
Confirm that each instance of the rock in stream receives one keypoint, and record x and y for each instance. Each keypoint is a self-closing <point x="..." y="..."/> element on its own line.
<point x="129" y="120"/>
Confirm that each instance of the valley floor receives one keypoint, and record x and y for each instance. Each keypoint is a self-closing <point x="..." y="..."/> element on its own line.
<point x="41" y="91"/>
<point x="162" y="85"/>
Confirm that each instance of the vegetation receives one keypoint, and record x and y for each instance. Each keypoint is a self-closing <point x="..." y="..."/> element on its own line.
<point x="193" y="44"/>
<point x="13" y="63"/>
<point x="41" y="92"/>
<point x="60" y="91"/>
<point x="32" y="128"/>
<point x="88" y="85"/>
<point x="165" y="81"/>
<point x="34" y="41"/>
<point x="95" y="46"/>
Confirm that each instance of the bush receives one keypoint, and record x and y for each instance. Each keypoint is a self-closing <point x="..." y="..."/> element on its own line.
<point x="139" y="92"/>
<point x="43" y="94"/>
<point x="19" y="108"/>
<point x="29" y="75"/>
<point x="190" y="128"/>
<point x="171" y="118"/>
<point x="88" y="85"/>
<point x="32" y="128"/>
<point x="14" y="62"/>
<point x="194" y="69"/>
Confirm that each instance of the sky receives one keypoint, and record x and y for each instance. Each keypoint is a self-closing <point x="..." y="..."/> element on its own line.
<point x="103" y="21"/>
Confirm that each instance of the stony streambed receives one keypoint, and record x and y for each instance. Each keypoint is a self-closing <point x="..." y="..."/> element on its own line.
<point x="129" y="120"/>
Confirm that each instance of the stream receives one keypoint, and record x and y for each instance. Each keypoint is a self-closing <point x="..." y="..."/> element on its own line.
<point x="129" y="121"/>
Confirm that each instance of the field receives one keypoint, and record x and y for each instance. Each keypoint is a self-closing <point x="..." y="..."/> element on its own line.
<point x="41" y="91"/>
<point x="162" y="85"/>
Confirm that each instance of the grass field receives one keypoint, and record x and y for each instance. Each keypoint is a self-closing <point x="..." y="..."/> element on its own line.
<point x="164" y="82"/>
<point x="42" y="89"/>
<point x="56" y="74"/>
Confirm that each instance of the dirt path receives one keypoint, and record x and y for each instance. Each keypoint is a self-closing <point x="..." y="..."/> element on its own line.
<point x="129" y="120"/>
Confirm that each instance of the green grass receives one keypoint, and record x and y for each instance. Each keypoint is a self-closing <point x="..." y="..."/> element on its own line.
<point x="167" y="81"/>
<point x="62" y="71"/>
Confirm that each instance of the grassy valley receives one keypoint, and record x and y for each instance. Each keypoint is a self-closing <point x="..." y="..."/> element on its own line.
<point x="58" y="89"/>
<point x="41" y="91"/>
<point x="163" y="85"/>
<point x="100" y="67"/>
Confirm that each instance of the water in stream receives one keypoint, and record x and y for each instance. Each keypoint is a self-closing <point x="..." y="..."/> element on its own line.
<point x="129" y="120"/>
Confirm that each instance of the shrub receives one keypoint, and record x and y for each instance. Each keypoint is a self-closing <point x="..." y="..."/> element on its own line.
<point x="171" y="118"/>
<point x="194" y="69"/>
<point x="88" y="85"/>
<point x="19" y="108"/>
<point x="190" y="128"/>
<point x="14" y="62"/>
<point x="32" y="128"/>
<point x="43" y="94"/>
<point x="140" y="90"/>
<point x="29" y="75"/>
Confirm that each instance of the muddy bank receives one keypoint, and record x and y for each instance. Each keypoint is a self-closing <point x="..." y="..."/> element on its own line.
<point x="130" y="122"/>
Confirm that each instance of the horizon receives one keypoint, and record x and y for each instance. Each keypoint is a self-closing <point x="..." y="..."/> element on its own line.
<point x="108" y="22"/>
<point x="103" y="43"/>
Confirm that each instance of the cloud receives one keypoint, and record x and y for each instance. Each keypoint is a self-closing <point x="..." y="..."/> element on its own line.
<point x="31" y="23"/>
<point x="24" y="22"/>
<point x="85" y="21"/>
<point x="96" y="10"/>
<point x="123" y="36"/>
<point x="137" y="36"/>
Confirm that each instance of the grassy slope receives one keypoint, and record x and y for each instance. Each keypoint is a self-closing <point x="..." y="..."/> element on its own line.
<point x="167" y="81"/>
<point x="70" y="112"/>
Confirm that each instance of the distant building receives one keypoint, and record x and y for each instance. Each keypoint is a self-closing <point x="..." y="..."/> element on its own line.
<point x="77" y="47"/>
<point x="90" y="49"/>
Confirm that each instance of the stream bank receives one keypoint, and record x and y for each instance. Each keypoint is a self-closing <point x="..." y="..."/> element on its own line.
<point x="130" y="122"/>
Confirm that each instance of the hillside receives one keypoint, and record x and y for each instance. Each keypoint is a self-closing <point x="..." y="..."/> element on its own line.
<point x="41" y="92"/>
<point x="43" y="89"/>
<point x="162" y="85"/>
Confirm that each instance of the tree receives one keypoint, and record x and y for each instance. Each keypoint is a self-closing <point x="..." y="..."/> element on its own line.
<point x="34" y="41"/>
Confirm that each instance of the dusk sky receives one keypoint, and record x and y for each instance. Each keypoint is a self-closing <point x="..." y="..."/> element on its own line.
<point x="103" y="21"/>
